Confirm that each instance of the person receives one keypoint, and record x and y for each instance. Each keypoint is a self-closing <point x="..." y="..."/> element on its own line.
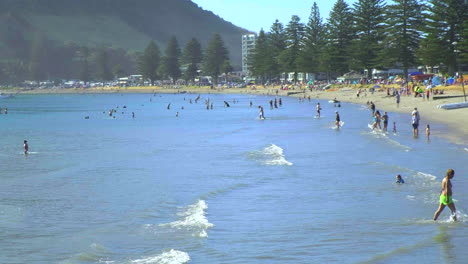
<point x="394" y="127"/>
<point x="337" y="119"/>
<point x="26" y="147"/>
<point x="399" y="179"/>
<point x="318" y="110"/>
<point x="445" y="198"/>
<point x="372" y="107"/>
<point x="133" y="114"/>
<point x="398" y="99"/>
<point x="428" y="131"/>
<point x="415" y="121"/>
<point x="177" y="114"/>
<point x="261" y="114"/>
<point x="385" y="121"/>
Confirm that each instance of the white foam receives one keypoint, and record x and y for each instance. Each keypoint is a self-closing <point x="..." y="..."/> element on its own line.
<point x="275" y="156"/>
<point x="169" y="257"/>
<point x="193" y="220"/>
<point x="466" y="149"/>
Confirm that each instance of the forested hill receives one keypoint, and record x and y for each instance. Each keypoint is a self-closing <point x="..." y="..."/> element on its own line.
<point x="127" y="24"/>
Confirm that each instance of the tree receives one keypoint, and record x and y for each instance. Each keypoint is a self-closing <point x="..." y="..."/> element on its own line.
<point x="368" y="18"/>
<point x="149" y="62"/>
<point x="38" y="61"/>
<point x="314" y="42"/>
<point x="102" y="61"/>
<point x="191" y="57"/>
<point x="339" y="37"/>
<point x="277" y="43"/>
<point x="294" y="41"/>
<point x="226" y="68"/>
<point x="444" y="23"/>
<point x="404" y="21"/>
<point x="171" y="59"/>
<point x="83" y="55"/>
<point x="215" y="55"/>
<point x="262" y="63"/>
<point x="15" y="71"/>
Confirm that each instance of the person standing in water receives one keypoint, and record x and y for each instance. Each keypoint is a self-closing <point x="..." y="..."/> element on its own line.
<point x="385" y="122"/>
<point x="446" y="196"/>
<point x="26" y="147"/>
<point x="428" y="131"/>
<point x="261" y="114"/>
<point x="337" y="119"/>
<point x="318" y="110"/>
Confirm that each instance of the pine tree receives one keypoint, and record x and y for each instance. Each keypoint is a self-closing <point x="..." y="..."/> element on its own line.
<point x="404" y="21"/>
<point x="277" y="43"/>
<point x="294" y="42"/>
<point x="215" y="55"/>
<point x="261" y="61"/>
<point x="444" y="23"/>
<point x="314" y="42"/>
<point x="103" y="69"/>
<point x="149" y="62"/>
<point x="226" y="68"/>
<point x="339" y="37"/>
<point x="171" y="59"/>
<point x="368" y="16"/>
<point x="191" y="57"/>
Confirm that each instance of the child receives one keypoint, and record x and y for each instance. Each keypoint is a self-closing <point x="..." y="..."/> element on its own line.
<point x="428" y="131"/>
<point x="394" y="127"/>
<point x="26" y="147"/>
<point x="399" y="179"/>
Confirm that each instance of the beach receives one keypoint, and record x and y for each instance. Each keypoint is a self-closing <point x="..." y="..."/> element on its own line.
<point x="454" y="119"/>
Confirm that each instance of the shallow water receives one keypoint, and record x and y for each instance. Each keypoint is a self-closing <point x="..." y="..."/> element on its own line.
<point x="220" y="186"/>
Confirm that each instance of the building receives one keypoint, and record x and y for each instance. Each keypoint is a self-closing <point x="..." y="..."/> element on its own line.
<point x="248" y="45"/>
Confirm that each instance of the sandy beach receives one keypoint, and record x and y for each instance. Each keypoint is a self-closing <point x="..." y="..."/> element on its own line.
<point x="454" y="119"/>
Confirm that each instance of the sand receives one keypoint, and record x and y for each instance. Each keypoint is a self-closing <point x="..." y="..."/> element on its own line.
<point x="456" y="120"/>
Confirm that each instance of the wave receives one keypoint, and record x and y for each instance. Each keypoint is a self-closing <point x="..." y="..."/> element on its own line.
<point x="193" y="220"/>
<point x="272" y="156"/>
<point x="382" y="135"/>
<point x="168" y="257"/>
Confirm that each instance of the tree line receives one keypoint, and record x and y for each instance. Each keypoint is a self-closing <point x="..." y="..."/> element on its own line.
<point x="369" y="35"/>
<point x="186" y="64"/>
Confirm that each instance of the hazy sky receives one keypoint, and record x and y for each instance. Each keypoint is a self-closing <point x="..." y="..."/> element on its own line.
<point x="256" y="14"/>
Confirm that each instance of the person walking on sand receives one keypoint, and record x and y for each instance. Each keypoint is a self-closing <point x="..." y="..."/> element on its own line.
<point x="26" y="147"/>
<point x="446" y="196"/>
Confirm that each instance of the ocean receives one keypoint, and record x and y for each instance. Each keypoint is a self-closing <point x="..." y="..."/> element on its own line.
<point x="221" y="185"/>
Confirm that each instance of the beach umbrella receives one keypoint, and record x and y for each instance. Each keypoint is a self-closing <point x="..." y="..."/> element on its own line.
<point x="391" y="77"/>
<point x="450" y="80"/>
<point x="376" y="86"/>
<point x="436" y="81"/>
<point x="415" y="73"/>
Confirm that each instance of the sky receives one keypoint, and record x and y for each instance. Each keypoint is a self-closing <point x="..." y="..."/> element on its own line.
<point x="256" y="14"/>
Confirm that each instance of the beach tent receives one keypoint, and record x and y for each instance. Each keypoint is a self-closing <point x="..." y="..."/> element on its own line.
<point x="376" y="86"/>
<point x="436" y="81"/>
<point x="415" y="73"/>
<point x="450" y="80"/>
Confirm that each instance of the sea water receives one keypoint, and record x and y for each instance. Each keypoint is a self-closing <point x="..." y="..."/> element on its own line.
<point x="221" y="186"/>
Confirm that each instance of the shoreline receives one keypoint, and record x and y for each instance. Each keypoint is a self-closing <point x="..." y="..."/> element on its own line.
<point x="454" y="119"/>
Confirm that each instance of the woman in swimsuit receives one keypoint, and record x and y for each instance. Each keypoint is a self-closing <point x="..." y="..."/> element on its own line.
<point x="446" y="196"/>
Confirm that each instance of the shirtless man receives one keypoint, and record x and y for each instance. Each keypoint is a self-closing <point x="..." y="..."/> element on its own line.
<point x="337" y="119"/>
<point x="26" y="147"/>
<point x="446" y="196"/>
<point x="318" y="110"/>
<point x="261" y="114"/>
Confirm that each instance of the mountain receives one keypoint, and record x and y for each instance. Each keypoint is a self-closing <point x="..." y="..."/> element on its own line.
<point x="125" y="24"/>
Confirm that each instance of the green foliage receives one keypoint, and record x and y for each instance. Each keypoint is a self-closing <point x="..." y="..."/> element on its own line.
<point x="294" y="40"/>
<point x="404" y="22"/>
<point x="149" y="62"/>
<point x="311" y="56"/>
<point x="262" y="60"/>
<point x="192" y="56"/>
<point x="171" y="60"/>
<point x="215" y="55"/>
<point x="103" y="69"/>
<point x="368" y="19"/>
<point x="339" y="35"/>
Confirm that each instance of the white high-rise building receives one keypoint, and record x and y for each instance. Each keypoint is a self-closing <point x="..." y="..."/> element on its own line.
<point x="248" y="45"/>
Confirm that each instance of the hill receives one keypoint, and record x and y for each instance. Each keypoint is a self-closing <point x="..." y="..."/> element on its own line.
<point x="125" y="24"/>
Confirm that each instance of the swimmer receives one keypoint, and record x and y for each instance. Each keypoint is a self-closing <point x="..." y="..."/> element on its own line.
<point x="446" y="196"/>
<point x="177" y="114"/>
<point x="133" y="115"/>
<point x="399" y="179"/>
<point x="169" y="106"/>
<point x="26" y="147"/>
